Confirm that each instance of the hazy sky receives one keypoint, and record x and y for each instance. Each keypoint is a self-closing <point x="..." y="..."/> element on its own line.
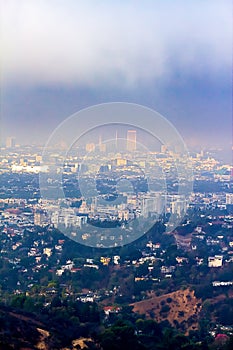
<point x="174" y="56"/>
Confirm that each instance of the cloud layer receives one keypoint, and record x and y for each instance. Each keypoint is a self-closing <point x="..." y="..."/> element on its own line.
<point x="115" y="43"/>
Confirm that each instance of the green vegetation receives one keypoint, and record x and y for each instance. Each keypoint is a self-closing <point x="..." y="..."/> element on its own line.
<point x="67" y="320"/>
<point x="71" y="305"/>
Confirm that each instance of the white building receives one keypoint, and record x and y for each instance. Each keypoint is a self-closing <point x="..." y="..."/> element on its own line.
<point x="215" y="261"/>
<point x="229" y="198"/>
<point x="179" y="207"/>
<point x="153" y="204"/>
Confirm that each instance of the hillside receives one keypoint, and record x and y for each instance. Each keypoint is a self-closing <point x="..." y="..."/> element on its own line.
<point x="23" y="332"/>
<point x="18" y="331"/>
<point x="180" y="308"/>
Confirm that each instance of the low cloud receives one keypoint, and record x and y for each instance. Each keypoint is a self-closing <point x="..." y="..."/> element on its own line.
<point x="122" y="43"/>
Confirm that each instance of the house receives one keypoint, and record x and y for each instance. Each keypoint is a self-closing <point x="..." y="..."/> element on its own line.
<point x="199" y="261"/>
<point x="59" y="272"/>
<point x="222" y="283"/>
<point x="47" y="251"/>
<point x="167" y="269"/>
<point x="215" y="261"/>
<point x="181" y="259"/>
<point x="93" y="266"/>
<point x="104" y="260"/>
<point x="116" y="259"/>
<point x="111" y="309"/>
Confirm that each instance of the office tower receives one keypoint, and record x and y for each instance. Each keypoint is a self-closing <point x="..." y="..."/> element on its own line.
<point x="116" y="140"/>
<point x="163" y="148"/>
<point x="179" y="207"/>
<point x="10" y="142"/>
<point x="102" y="146"/>
<point x="131" y="140"/>
<point x="153" y="205"/>
<point x="90" y="147"/>
<point x="40" y="219"/>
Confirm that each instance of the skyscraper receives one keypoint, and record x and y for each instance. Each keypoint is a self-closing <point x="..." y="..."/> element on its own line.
<point x="102" y="146"/>
<point x="10" y="142"/>
<point x="131" y="140"/>
<point x="116" y="140"/>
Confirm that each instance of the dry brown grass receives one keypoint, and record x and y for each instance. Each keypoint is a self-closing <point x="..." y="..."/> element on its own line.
<point x="183" y="313"/>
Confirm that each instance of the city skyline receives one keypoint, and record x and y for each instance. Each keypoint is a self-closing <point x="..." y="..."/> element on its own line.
<point x="182" y="69"/>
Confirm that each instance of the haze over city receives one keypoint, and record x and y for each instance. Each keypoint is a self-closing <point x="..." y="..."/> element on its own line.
<point x="59" y="57"/>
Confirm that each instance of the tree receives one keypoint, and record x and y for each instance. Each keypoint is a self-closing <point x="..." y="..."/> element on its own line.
<point x="120" y="336"/>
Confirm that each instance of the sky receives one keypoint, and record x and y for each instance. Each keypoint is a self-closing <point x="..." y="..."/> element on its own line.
<point x="174" y="56"/>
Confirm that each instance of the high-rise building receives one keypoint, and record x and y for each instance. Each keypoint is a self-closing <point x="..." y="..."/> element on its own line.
<point x="102" y="146"/>
<point x="10" y="142"/>
<point x="116" y="140"/>
<point x="163" y="148"/>
<point x="178" y="207"/>
<point x="40" y="219"/>
<point x="153" y="205"/>
<point x="131" y="140"/>
<point x="90" y="147"/>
